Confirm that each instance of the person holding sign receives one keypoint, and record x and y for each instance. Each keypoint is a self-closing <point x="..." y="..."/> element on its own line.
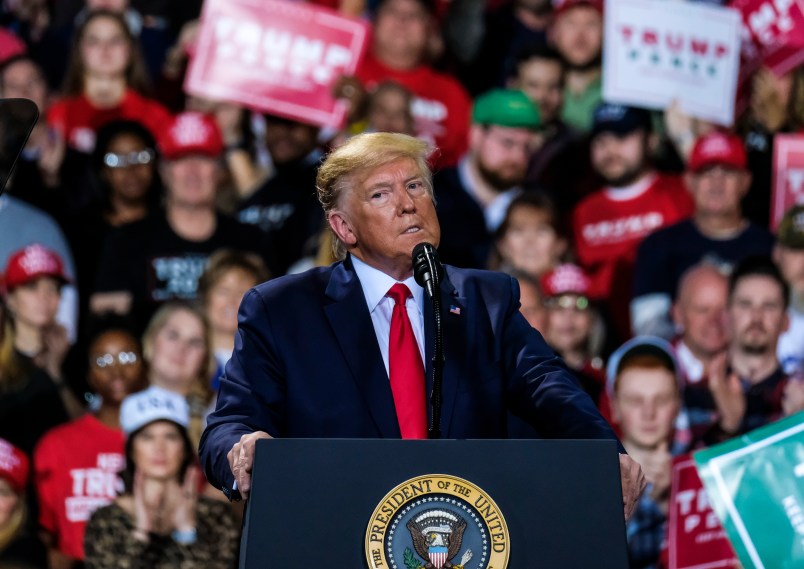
<point x="338" y="351"/>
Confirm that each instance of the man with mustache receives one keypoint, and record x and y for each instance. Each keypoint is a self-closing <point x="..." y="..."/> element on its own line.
<point x="610" y="224"/>
<point x="745" y="386"/>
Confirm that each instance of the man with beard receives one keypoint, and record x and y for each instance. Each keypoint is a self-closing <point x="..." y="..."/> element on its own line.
<point x="284" y="206"/>
<point x="610" y="224"/>
<point x="577" y="34"/>
<point x="746" y="386"/>
<point x="473" y="197"/>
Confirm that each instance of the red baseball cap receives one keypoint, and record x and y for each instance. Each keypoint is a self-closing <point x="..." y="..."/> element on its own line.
<point x="31" y="263"/>
<point x="560" y="6"/>
<point x="10" y="45"/>
<point x="717" y="148"/>
<point x="191" y="133"/>
<point x="14" y="466"/>
<point x="565" y="279"/>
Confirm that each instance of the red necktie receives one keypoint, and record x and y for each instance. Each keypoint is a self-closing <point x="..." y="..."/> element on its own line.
<point x="406" y="369"/>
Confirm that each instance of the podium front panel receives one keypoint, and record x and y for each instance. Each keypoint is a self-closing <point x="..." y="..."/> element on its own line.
<point x="312" y="500"/>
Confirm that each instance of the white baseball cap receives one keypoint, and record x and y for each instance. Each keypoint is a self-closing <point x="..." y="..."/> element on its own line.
<point x="153" y="404"/>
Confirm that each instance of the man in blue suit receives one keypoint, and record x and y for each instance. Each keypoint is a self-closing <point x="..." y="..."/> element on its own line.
<point x="312" y="355"/>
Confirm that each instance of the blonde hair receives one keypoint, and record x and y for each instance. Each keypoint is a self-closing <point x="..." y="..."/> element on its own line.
<point x="200" y="395"/>
<point x="342" y="169"/>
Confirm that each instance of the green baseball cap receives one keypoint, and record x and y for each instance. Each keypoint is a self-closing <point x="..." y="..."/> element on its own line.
<point x="506" y="107"/>
<point x="791" y="228"/>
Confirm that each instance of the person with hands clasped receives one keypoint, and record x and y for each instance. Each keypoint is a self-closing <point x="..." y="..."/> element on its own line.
<point x="160" y="521"/>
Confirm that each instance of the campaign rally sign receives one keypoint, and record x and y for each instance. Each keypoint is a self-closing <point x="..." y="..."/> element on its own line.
<point x="773" y="32"/>
<point x="695" y="538"/>
<point x="657" y="51"/>
<point x="276" y="56"/>
<point x="788" y="175"/>
<point x="756" y="485"/>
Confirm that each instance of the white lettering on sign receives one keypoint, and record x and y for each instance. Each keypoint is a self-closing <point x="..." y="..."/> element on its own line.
<point x="694" y="506"/>
<point x="769" y="15"/>
<point x="795" y="179"/>
<point x="793" y="510"/>
<point x="278" y="51"/>
<point x="616" y="230"/>
<point x="799" y="471"/>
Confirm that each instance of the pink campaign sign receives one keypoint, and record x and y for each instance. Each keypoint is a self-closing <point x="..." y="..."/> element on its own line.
<point x="696" y="540"/>
<point x="276" y="56"/>
<point x="788" y="175"/>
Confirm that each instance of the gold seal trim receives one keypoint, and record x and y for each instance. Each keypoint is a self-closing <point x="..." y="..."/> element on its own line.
<point x="382" y="521"/>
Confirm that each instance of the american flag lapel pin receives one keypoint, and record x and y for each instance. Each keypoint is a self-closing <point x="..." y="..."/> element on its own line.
<point x="456" y="310"/>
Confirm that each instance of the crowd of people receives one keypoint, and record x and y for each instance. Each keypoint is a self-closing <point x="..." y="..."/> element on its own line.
<point x="138" y="216"/>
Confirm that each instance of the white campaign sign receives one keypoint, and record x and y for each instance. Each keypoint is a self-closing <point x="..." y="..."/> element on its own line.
<point x="657" y="51"/>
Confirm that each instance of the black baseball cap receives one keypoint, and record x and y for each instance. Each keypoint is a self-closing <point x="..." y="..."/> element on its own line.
<point x="619" y="119"/>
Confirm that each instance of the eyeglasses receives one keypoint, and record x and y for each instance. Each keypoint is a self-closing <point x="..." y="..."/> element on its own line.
<point x="568" y="302"/>
<point x="113" y="160"/>
<point x="122" y="359"/>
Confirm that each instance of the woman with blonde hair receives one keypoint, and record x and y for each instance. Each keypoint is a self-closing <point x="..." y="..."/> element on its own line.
<point x="176" y="349"/>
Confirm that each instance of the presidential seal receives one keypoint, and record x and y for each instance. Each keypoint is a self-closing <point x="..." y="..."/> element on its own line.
<point x="437" y="521"/>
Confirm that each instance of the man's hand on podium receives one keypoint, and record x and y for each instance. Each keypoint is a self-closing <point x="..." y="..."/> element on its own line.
<point x="241" y="460"/>
<point x="633" y="483"/>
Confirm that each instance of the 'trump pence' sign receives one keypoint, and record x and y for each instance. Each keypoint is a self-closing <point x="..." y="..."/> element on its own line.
<point x="276" y="56"/>
<point x="657" y="51"/>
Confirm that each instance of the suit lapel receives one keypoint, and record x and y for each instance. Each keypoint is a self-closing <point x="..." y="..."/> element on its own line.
<point x="453" y="308"/>
<point x="352" y="326"/>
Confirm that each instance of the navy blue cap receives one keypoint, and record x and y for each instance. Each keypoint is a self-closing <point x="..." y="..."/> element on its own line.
<point x="619" y="119"/>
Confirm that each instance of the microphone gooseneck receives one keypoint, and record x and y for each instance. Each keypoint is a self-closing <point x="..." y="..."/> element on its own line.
<point x="428" y="272"/>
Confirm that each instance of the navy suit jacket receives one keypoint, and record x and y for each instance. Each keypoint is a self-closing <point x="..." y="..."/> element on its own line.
<point x="306" y="363"/>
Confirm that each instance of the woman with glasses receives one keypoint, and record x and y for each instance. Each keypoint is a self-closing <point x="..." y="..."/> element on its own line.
<point x="126" y="189"/>
<point x="76" y="465"/>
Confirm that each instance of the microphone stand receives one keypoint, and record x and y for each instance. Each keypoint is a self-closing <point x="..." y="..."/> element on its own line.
<point x="436" y="397"/>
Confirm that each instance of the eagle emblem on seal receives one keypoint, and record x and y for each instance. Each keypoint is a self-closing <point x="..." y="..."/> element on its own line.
<point x="437" y="536"/>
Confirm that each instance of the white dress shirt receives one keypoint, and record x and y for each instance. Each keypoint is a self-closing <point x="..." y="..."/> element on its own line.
<point x="376" y="285"/>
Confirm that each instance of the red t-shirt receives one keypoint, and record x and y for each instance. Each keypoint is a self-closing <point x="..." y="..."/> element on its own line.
<point x="608" y="231"/>
<point x="80" y="120"/>
<point x="75" y="472"/>
<point x="441" y="107"/>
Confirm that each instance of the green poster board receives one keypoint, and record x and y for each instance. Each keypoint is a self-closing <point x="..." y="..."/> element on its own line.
<point x="756" y="486"/>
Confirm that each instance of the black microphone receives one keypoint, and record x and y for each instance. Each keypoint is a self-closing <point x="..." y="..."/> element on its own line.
<point x="427" y="269"/>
